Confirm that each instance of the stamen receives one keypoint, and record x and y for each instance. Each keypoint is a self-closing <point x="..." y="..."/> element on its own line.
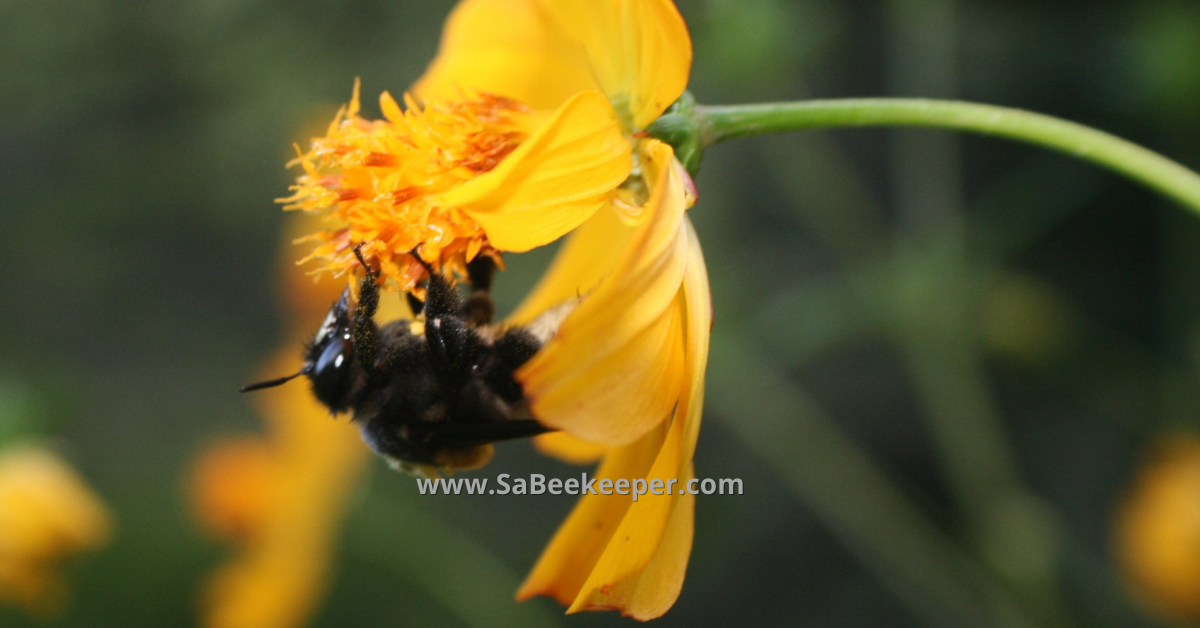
<point x="377" y="182"/>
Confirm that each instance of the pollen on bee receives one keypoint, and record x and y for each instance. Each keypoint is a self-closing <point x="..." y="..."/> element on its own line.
<point x="378" y="183"/>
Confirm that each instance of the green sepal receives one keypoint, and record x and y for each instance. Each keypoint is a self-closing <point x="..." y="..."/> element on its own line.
<point x="681" y="127"/>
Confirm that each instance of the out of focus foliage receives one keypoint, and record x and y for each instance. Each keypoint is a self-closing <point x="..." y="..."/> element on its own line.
<point x="994" y="333"/>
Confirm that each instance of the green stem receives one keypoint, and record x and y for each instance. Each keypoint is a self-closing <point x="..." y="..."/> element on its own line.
<point x="722" y="123"/>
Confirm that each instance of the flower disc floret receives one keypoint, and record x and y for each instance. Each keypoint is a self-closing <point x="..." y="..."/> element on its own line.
<point x="379" y="182"/>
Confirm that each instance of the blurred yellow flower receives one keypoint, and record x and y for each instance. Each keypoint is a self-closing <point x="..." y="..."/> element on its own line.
<point x="279" y="497"/>
<point x="527" y="126"/>
<point x="47" y="514"/>
<point x="1158" y="530"/>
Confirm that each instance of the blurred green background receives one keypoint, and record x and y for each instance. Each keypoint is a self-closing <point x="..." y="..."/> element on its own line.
<point x="937" y="360"/>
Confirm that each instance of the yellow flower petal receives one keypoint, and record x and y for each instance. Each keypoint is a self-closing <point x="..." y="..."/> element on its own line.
<point x="36" y="587"/>
<point x="657" y="587"/>
<point x="587" y="257"/>
<point x="649" y="593"/>
<point x="635" y="541"/>
<point x="281" y="574"/>
<point x="642" y="569"/>
<point x="508" y="48"/>
<point x="568" y="448"/>
<point x="47" y="514"/>
<point x="639" y="50"/>
<point x="615" y="368"/>
<point x="612" y="398"/>
<point x="568" y="560"/>
<point x="641" y="566"/>
<point x="554" y="181"/>
<point x="1157" y="531"/>
<point x="699" y="315"/>
<point x="232" y="484"/>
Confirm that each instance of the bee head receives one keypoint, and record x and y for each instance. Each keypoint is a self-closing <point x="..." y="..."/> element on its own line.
<point x="327" y="359"/>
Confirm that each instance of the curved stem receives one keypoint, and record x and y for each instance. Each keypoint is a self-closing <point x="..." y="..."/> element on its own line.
<point x="722" y="123"/>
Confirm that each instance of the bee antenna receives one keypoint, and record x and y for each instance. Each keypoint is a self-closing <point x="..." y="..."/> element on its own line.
<point x="271" y="383"/>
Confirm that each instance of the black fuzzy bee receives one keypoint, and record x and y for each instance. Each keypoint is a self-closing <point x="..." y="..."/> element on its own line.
<point x="436" y="399"/>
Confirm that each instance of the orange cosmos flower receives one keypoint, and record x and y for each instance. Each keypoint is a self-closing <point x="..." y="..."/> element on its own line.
<point x="47" y="514"/>
<point x="279" y="497"/>
<point x="527" y="126"/>
<point x="519" y="133"/>
<point x="1158" y="530"/>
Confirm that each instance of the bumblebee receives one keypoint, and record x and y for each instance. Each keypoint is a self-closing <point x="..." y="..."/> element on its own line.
<point x="431" y="399"/>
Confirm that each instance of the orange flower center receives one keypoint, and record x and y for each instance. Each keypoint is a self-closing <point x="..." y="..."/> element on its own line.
<point x="378" y="183"/>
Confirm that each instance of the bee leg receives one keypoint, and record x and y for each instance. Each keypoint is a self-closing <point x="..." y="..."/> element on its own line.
<point x="452" y="345"/>
<point x="364" y="328"/>
<point x="478" y="307"/>
<point x="480" y="272"/>
<point x="416" y="305"/>
<point x="440" y="296"/>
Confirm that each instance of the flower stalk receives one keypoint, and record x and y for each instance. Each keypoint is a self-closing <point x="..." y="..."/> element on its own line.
<point x="691" y="128"/>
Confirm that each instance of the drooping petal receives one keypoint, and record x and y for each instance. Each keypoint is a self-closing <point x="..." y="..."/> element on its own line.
<point x="641" y="571"/>
<point x="651" y="590"/>
<point x="636" y="540"/>
<point x="639" y="50"/>
<point x="699" y="315"/>
<point x="554" y="182"/>
<point x="615" y="368"/>
<point x="509" y="48"/>
<point x="568" y="560"/>
<point x="641" y="566"/>
<point x="636" y="386"/>
<point x="650" y="593"/>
